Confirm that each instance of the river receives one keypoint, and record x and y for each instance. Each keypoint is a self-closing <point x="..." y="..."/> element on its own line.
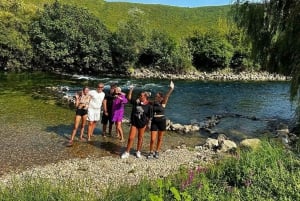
<point x="195" y="101"/>
<point x="34" y="127"/>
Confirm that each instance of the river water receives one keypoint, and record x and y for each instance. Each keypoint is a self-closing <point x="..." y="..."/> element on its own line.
<point x="194" y="101"/>
<point x="34" y="127"/>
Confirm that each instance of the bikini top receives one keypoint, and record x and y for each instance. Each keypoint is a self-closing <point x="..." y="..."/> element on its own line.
<point x="84" y="100"/>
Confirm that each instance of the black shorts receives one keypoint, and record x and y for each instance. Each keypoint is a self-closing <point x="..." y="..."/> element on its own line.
<point x="138" y="123"/>
<point x="81" y="112"/>
<point x="105" y="119"/>
<point x="159" y="124"/>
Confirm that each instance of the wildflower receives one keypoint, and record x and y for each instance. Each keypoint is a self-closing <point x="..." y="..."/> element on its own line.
<point x="191" y="177"/>
<point x="201" y="170"/>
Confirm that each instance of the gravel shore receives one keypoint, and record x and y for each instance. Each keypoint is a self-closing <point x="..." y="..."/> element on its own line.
<point x="98" y="174"/>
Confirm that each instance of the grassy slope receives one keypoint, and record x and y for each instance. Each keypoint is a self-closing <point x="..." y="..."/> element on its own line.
<point x="176" y="21"/>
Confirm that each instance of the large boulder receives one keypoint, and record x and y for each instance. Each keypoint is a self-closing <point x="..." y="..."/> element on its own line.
<point x="211" y="143"/>
<point x="221" y="144"/>
<point x="253" y="143"/>
<point x="227" y="146"/>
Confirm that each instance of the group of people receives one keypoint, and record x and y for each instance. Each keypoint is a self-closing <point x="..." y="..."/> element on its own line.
<point x="145" y="114"/>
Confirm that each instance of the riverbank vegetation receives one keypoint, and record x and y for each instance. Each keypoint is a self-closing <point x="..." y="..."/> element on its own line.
<point x="100" y="37"/>
<point x="270" y="172"/>
<point x="272" y="28"/>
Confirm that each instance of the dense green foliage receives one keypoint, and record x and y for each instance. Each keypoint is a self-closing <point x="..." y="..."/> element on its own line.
<point x="74" y="36"/>
<point x="273" y="29"/>
<point x="210" y="51"/>
<point x="15" y="49"/>
<point x="69" y="38"/>
<point x="129" y="39"/>
<point x="268" y="173"/>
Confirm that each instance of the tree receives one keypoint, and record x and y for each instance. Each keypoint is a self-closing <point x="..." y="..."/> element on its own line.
<point x="158" y="51"/>
<point x="210" y="51"/>
<point x="129" y="39"/>
<point x="15" y="49"/>
<point x="70" y="39"/>
<point x="273" y="28"/>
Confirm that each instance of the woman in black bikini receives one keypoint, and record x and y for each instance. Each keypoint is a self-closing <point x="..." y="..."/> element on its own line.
<point x="82" y="100"/>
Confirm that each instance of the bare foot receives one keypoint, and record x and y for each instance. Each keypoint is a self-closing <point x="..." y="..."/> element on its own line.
<point x="70" y="143"/>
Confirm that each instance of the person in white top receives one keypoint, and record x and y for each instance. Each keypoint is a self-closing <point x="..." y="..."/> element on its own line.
<point x="94" y="110"/>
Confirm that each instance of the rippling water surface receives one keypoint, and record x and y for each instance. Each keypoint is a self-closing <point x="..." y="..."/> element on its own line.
<point x="33" y="131"/>
<point x="191" y="101"/>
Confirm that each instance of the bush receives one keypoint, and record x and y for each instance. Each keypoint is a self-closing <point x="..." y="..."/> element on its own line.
<point x="70" y="39"/>
<point x="210" y="51"/>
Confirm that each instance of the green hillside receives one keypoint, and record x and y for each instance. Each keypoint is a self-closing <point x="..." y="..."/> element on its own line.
<point x="176" y="21"/>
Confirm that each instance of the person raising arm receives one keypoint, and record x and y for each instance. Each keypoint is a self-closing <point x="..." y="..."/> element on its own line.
<point x="158" y="123"/>
<point x="140" y="115"/>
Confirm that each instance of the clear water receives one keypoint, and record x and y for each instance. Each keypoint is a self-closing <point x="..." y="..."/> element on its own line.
<point x="191" y="101"/>
<point x="34" y="129"/>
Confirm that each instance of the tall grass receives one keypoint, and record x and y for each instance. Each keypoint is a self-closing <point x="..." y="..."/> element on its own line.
<point x="39" y="189"/>
<point x="269" y="173"/>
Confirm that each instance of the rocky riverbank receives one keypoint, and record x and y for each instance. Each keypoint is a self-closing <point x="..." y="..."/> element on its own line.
<point x="221" y="75"/>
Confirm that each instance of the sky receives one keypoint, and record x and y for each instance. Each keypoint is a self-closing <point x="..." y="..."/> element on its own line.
<point x="180" y="3"/>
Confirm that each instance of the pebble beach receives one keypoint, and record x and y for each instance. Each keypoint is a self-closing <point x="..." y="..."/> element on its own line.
<point x="98" y="174"/>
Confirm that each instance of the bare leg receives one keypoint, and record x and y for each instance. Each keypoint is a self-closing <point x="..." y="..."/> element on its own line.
<point x="83" y="122"/>
<point x="159" y="140"/>
<point x="119" y="130"/>
<point x="131" y="137"/>
<point x="91" y="129"/>
<point x="153" y="139"/>
<point x="141" y="132"/>
<point x="76" y="124"/>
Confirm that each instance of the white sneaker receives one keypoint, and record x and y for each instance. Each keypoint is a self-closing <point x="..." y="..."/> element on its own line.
<point x="138" y="154"/>
<point x="125" y="155"/>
